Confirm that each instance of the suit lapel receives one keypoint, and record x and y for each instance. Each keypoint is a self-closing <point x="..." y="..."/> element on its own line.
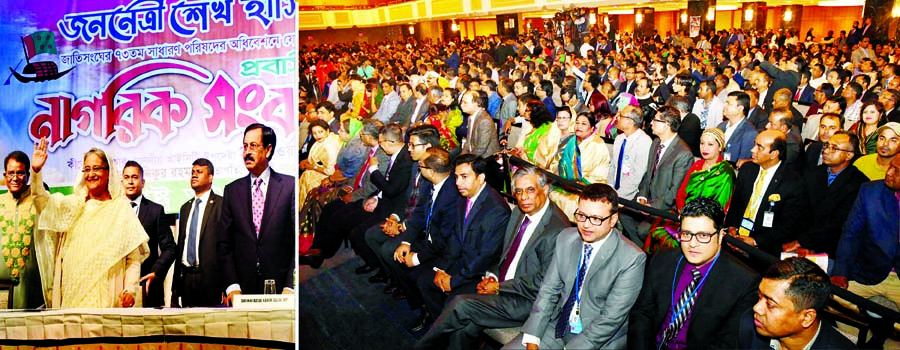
<point x="603" y="254"/>
<point x="474" y="211"/>
<point x="142" y="210"/>
<point x="272" y="194"/>
<point x="210" y="207"/>
<point x="511" y="232"/>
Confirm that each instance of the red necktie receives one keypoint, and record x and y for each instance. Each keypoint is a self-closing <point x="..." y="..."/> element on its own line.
<point x="364" y="168"/>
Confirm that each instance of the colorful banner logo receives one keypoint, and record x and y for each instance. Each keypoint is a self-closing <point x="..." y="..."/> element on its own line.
<point x="160" y="82"/>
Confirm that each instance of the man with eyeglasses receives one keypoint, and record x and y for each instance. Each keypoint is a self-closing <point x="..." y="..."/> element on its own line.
<point x="875" y="165"/>
<point x="252" y="250"/>
<point x="380" y="239"/>
<point x="629" y="84"/>
<point x="506" y="293"/>
<point x="591" y="283"/>
<point x="697" y="277"/>
<point x="831" y="189"/>
<point x="19" y="211"/>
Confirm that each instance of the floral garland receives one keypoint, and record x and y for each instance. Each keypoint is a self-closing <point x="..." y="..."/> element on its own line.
<point x="16" y="242"/>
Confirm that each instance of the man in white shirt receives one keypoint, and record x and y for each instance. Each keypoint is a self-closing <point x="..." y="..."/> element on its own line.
<point x="631" y="153"/>
<point x="708" y="107"/>
<point x="196" y="279"/>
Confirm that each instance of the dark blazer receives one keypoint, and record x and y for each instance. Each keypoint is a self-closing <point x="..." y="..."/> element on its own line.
<point x="894" y="114"/>
<point x="246" y="259"/>
<point x="660" y="189"/>
<point x="806" y="96"/>
<point x="813" y="152"/>
<point x="690" y="132"/>
<point x="783" y="79"/>
<point x="829" y="206"/>
<point x="741" y="141"/>
<point x="394" y="187"/>
<point x="431" y="245"/>
<point x="788" y="211"/>
<point x="404" y="111"/>
<point x="730" y="289"/>
<point x="537" y="253"/>
<point x="867" y="249"/>
<point x="476" y="243"/>
<point x="828" y="339"/>
<point x="162" y="249"/>
<point x="209" y="292"/>
<point x="758" y="117"/>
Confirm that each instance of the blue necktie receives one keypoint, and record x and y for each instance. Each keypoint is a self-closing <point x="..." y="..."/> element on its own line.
<point x="192" y="234"/>
<point x="619" y="166"/>
<point x="562" y="324"/>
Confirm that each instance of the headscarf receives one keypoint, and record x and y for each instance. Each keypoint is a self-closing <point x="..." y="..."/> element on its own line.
<point x="717" y="134"/>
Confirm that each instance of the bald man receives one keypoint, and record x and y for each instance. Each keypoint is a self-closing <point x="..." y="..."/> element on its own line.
<point x="768" y="199"/>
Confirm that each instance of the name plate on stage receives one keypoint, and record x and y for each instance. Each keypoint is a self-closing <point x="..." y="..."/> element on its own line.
<point x="264" y="301"/>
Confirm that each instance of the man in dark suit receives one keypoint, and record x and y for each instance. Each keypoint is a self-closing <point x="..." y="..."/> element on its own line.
<point x="421" y="138"/>
<point x="591" y="283"/>
<point x="197" y="281"/>
<point x="423" y="237"/>
<point x="780" y="119"/>
<point x="391" y="195"/>
<point x="792" y="295"/>
<point x="725" y="287"/>
<point x="804" y="93"/>
<point x="784" y="77"/>
<point x="505" y="295"/>
<point x="630" y="81"/>
<point x="739" y="141"/>
<point x="475" y="246"/>
<point x="689" y="131"/>
<point x="868" y="248"/>
<point x="481" y="139"/>
<point x="162" y="244"/>
<point x="829" y="124"/>
<point x="256" y="230"/>
<point x="831" y="189"/>
<point x="757" y="117"/>
<point x="768" y="201"/>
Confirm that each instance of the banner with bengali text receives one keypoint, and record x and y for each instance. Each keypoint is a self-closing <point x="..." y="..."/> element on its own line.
<point x="162" y="82"/>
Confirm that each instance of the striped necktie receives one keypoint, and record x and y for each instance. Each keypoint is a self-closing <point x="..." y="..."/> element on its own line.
<point x="684" y="306"/>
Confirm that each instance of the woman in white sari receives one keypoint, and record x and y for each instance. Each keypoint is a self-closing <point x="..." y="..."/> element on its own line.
<point x="91" y="244"/>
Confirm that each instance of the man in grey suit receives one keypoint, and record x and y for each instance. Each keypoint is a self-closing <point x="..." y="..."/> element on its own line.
<point x="506" y="294"/>
<point x="405" y="109"/>
<point x="508" y="106"/>
<point x="670" y="158"/>
<point x="482" y="138"/>
<point x="585" y="297"/>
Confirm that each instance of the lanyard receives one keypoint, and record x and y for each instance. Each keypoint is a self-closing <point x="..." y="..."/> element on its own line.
<point x="683" y="306"/>
<point x="578" y="283"/>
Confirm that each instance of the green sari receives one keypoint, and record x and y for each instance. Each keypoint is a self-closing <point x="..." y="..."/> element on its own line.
<point x="534" y="139"/>
<point x="716" y="182"/>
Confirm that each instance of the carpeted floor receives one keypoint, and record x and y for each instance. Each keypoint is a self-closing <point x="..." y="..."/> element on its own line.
<point x="342" y="310"/>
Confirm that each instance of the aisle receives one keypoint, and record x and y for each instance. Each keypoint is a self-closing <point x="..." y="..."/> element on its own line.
<point x="341" y="310"/>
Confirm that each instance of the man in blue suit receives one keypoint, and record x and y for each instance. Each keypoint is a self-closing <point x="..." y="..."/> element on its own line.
<point x="739" y="134"/>
<point x="482" y="215"/>
<point x="868" y="250"/>
<point x="256" y="231"/>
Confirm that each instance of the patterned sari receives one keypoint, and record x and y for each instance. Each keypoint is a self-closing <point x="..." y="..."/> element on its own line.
<point x="716" y="182"/>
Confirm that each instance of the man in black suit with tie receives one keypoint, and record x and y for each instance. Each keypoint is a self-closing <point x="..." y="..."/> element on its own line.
<point x="768" y="201"/>
<point x="256" y="230"/>
<point x="689" y="131"/>
<point x="757" y="117"/>
<point x="725" y="288"/>
<point x="792" y="295"/>
<point x="505" y="295"/>
<point x="421" y="138"/>
<point x="197" y="281"/>
<point x="423" y="237"/>
<point x="162" y="244"/>
<point x="482" y="215"/>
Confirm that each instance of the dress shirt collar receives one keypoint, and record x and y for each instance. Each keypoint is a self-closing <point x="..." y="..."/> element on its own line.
<point x="265" y="175"/>
<point x="437" y="188"/>
<point x="138" y="202"/>
<point x="204" y="197"/>
<point x="540" y="213"/>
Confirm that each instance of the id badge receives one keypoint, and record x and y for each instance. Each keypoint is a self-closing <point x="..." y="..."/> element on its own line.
<point x="575" y="323"/>
<point x="747" y="225"/>
<point x="727" y="156"/>
<point x="768" y="217"/>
